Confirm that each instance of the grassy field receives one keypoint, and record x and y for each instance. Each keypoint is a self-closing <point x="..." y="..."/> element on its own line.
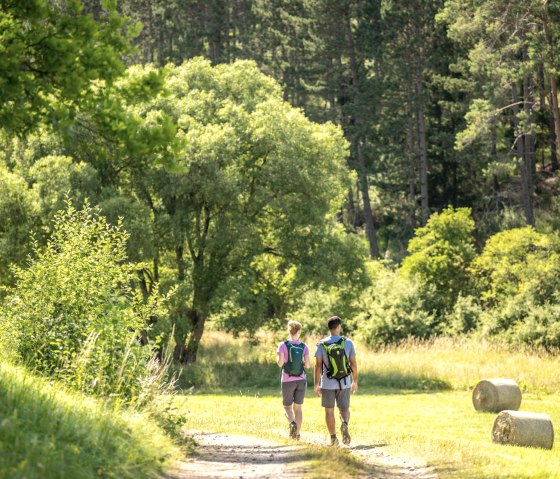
<point x="414" y="401"/>
<point x="46" y="433"/>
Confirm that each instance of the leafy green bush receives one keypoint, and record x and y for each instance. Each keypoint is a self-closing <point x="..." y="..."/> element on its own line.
<point x="76" y="314"/>
<point x="393" y="309"/>
<point x="464" y="317"/>
<point x="440" y="254"/>
<point x="517" y="276"/>
<point x="520" y="261"/>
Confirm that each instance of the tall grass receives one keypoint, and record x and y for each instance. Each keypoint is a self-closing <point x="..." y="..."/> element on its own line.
<point x="48" y="433"/>
<point x="435" y="365"/>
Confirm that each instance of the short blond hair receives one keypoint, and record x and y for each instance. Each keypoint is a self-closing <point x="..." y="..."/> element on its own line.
<point x="294" y="327"/>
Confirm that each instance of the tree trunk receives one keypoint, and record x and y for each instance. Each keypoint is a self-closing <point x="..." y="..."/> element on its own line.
<point x="180" y="264"/>
<point x="412" y="178"/>
<point x="364" y="186"/>
<point x="523" y="154"/>
<point x="422" y="143"/>
<point x="362" y="169"/>
<point x="554" y="99"/>
<point x="186" y="351"/>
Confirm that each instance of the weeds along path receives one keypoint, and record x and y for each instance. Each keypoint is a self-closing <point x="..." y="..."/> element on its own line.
<point x="249" y="457"/>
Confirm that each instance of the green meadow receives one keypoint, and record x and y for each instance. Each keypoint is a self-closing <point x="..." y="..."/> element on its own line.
<point x="414" y="402"/>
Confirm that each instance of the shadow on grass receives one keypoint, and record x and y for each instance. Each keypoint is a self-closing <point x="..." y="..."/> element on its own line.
<point x="255" y="374"/>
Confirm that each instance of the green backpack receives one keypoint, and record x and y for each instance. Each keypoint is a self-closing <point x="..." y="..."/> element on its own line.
<point x="294" y="365"/>
<point x="338" y="367"/>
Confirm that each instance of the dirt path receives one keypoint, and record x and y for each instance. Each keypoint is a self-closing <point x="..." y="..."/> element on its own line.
<point x="248" y="457"/>
<point x="236" y="456"/>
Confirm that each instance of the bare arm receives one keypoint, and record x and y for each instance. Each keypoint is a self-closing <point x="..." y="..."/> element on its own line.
<point x="354" y="366"/>
<point x="306" y="361"/>
<point x="280" y="360"/>
<point x="317" y="376"/>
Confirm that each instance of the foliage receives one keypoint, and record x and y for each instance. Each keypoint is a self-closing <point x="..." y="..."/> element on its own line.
<point x="76" y="315"/>
<point x="252" y="196"/>
<point x="18" y="210"/>
<point x="516" y="277"/>
<point x="518" y="262"/>
<point x="464" y="317"/>
<point x="394" y="308"/>
<point x="49" y="433"/>
<point x="51" y="54"/>
<point x="440" y="254"/>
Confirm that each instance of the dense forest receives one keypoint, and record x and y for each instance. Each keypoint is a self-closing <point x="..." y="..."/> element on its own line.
<point x="169" y="163"/>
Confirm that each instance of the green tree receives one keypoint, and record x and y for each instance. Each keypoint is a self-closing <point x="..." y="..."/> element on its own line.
<point x="440" y="254"/>
<point x="510" y="52"/>
<point x="254" y="192"/>
<point x="51" y="54"/>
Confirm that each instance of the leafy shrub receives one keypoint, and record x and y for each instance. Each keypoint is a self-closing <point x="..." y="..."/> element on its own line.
<point x="464" y="317"/>
<point x="440" y="254"/>
<point x="521" y="262"/>
<point x="520" y="321"/>
<point x="393" y="309"/>
<point x="517" y="276"/>
<point x="75" y="313"/>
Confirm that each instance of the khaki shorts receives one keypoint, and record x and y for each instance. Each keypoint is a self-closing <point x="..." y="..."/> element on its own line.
<point x="340" y="396"/>
<point x="293" y="392"/>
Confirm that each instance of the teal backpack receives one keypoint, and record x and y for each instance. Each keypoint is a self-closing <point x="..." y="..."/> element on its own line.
<point x="338" y="366"/>
<point x="294" y="365"/>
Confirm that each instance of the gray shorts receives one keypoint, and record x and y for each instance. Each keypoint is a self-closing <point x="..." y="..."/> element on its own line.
<point x="293" y="392"/>
<point x="341" y="396"/>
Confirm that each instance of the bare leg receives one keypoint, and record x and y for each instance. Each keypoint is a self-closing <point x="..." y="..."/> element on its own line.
<point x="330" y="420"/>
<point x="289" y="412"/>
<point x="298" y="414"/>
<point x="345" y="415"/>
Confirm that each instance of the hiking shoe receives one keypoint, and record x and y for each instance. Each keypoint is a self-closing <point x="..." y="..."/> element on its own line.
<point x="293" y="429"/>
<point x="345" y="435"/>
<point x="334" y="441"/>
<point x="297" y="437"/>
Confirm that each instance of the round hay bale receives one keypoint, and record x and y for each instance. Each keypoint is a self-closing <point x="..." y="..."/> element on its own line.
<point x="495" y="395"/>
<point x="522" y="428"/>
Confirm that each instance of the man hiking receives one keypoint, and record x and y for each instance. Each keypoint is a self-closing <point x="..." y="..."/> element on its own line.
<point x="336" y="374"/>
<point x="293" y="357"/>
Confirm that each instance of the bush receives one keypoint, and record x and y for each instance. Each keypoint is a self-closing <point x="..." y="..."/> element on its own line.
<point x="464" y="317"/>
<point x="393" y="309"/>
<point x="440" y="254"/>
<point x="75" y="314"/>
<point x="516" y="262"/>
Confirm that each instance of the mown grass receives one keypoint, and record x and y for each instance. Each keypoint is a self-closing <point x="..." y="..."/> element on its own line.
<point x="47" y="433"/>
<point x="414" y="402"/>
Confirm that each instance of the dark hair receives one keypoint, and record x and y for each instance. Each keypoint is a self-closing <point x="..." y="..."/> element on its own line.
<point x="334" y="322"/>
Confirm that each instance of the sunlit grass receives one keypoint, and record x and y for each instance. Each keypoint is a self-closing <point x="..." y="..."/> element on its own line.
<point x="414" y="402"/>
<point x="48" y="433"/>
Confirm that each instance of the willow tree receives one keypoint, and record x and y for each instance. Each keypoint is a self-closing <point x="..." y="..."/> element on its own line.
<point x="252" y="196"/>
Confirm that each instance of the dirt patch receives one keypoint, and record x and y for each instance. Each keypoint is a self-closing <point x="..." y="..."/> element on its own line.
<point x="248" y="457"/>
<point x="237" y="456"/>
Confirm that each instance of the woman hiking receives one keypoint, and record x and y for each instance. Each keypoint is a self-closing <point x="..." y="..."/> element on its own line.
<point x="293" y="357"/>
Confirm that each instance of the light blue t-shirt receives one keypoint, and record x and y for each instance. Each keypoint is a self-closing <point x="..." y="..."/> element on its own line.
<point x="329" y="383"/>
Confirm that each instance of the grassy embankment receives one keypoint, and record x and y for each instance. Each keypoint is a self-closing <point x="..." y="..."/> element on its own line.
<point x="414" y="401"/>
<point x="47" y="433"/>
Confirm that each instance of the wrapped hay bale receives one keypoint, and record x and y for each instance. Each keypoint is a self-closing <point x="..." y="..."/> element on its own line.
<point x="521" y="428"/>
<point x="495" y="395"/>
